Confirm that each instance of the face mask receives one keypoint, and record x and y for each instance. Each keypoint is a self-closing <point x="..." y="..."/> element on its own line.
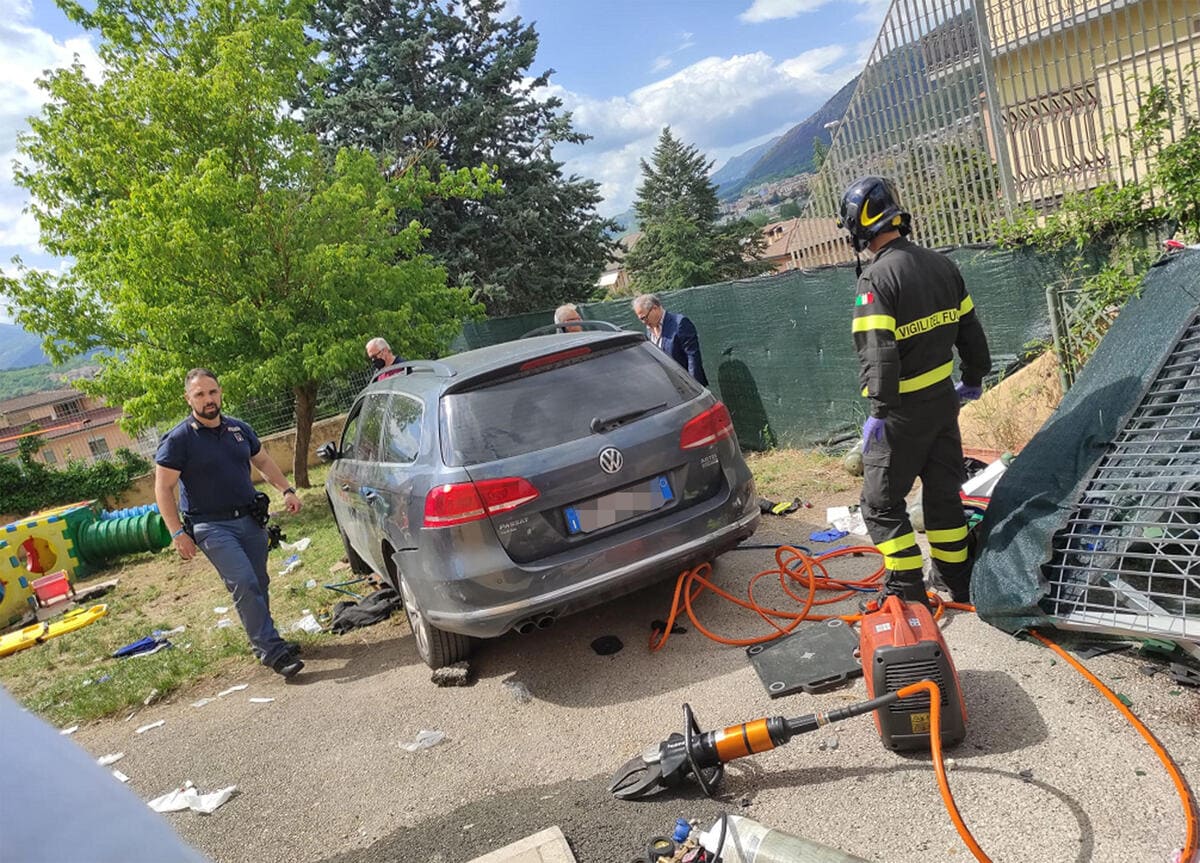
<point x="377" y="363"/>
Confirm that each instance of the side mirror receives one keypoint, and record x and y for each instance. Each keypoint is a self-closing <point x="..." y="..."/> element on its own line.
<point x="328" y="452"/>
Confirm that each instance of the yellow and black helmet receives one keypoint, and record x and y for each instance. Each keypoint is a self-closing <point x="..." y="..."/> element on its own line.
<point x="871" y="206"/>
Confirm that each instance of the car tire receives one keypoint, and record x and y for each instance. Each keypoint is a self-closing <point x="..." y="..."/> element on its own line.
<point x="436" y="647"/>
<point x="358" y="566"/>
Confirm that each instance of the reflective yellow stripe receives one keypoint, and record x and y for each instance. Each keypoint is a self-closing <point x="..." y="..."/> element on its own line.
<point x="900" y="564"/>
<point x="924" y="325"/>
<point x="873" y="322"/>
<point x="950" y="534"/>
<point x="891" y="546"/>
<point x="931" y="377"/>
<point x="957" y="556"/>
<point x="965" y="306"/>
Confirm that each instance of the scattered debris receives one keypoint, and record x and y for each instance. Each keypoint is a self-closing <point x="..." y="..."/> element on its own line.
<point x="151" y="698"/>
<point x="1092" y="649"/>
<point x="146" y="728"/>
<point x="827" y="535"/>
<point x="237" y="687"/>
<point x="202" y="702"/>
<point x="457" y="674"/>
<point x="425" y="739"/>
<point x="308" y="623"/>
<point x="828" y="744"/>
<point x="951" y="764"/>
<point x="111" y="758"/>
<point x="847" y="518"/>
<point x="260" y="700"/>
<point x="291" y="565"/>
<point x="1026" y="775"/>
<point x="1185" y="674"/>
<point x="369" y="610"/>
<point x="607" y="645"/>
<point x="145" y="646"/>
<point x="120" y="777"/>
<point x="310" y="584"/>
<point x="519" y="691"/>
<point x="187" y="797"/>
<point x="220" y="609"/>
<point x="69" y="731"/>
<point x="223" y="623"/>
<point x="297" y="546"/>
<point x="340" y="566"/>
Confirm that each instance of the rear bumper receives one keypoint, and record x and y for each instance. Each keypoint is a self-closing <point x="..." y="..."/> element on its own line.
<point x="495" y="620"/>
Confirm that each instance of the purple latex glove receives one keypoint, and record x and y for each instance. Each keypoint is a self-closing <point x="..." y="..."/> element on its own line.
<point x="966" y="392"/>
<point x="872" y="430"/>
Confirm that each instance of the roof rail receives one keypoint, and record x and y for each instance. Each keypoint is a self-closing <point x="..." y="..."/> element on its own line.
<point x="603" y="326"/>
<point x="412" y="367"/>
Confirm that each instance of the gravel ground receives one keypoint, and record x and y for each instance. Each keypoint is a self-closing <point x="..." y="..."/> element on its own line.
<point x="1049" y="771"/>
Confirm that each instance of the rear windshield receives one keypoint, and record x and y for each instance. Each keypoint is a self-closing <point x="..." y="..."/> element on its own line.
<point x="549" y="406"/>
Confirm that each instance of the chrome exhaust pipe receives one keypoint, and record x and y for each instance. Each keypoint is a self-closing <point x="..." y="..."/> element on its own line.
<point x="525" y="626"/>
<point x="545" y="621"/>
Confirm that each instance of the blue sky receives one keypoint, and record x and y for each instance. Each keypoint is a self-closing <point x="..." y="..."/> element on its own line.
<point x="723" y="74"/>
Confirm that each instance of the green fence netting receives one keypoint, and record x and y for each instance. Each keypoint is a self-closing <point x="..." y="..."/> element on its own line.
<point x="778" y="350"/>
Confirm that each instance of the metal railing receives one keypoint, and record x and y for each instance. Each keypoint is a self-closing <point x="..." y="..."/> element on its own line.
<point x="979" y="109"/>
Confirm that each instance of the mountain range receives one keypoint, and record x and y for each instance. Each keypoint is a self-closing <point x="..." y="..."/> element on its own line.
<point x="789" y="154"/>
<point x="19" y="349"/>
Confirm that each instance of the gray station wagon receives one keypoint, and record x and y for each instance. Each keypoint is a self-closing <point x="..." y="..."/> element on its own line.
<point x="502" y="488"/>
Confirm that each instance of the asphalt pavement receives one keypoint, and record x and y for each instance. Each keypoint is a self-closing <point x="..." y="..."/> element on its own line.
<point x="1049" y="770"/>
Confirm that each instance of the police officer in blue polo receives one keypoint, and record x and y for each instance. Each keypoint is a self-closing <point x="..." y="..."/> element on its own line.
<point x="208" y="456"/>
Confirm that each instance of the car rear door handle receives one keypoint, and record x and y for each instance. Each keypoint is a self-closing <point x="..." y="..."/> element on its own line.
<point x="369" y="494"/>
<point x="345" y="486"/>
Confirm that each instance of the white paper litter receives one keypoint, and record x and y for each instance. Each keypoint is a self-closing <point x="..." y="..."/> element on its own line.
<point x="187" y="797"/>
<point x="222" y="623"/>
<point x="120" y="777"/>
<point x="202" y="702"/>
<point x="842" y="518"/>
<point x="425" y="739"/>
<point x="237" y="687"/>
<point x="111" y="758"/>
<point x="146" y="728"/>
<point x="220" y="609"/>
<point x="293" y="563"/>
<point x="261" y="700"/>
<point x="298" y="545"/>
<point x="519" y="691"/>
<point x="308" y="623"/>
<point x="67" y="731"/>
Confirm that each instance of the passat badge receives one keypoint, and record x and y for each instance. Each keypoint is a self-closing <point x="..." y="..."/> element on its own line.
<point x="611" y="459"/>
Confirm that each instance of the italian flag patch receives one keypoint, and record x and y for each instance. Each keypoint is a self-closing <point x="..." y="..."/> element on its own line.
<point x="864" y="299"/>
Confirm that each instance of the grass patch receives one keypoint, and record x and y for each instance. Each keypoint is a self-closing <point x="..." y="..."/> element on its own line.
<point x="73" y="678"/>
<point x="784" y="474"/>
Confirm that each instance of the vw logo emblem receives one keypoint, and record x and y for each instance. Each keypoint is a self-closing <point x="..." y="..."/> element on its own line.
<point x="611" y="459"/>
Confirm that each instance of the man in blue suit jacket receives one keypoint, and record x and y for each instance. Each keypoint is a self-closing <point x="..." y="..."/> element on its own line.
<point x="673" y="333"/>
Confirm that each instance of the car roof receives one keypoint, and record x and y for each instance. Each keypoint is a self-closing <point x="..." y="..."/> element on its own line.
<point x="456" y="368"/>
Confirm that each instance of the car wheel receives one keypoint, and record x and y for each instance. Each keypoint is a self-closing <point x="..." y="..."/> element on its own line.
<point x="358" y="566"/>
<point x="436" y="647"/>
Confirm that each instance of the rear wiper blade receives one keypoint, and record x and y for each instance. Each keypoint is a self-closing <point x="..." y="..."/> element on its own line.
<point x="602" y="425"/>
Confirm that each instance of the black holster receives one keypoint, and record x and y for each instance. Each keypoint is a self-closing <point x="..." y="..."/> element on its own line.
<point x="260" y="508"/>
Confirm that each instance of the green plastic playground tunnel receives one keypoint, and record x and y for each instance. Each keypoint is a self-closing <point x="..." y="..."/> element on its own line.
<point x="98" y="541"/>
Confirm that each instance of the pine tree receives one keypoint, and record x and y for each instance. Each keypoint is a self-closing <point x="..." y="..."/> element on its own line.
<point x="446" y="83"/>
<point x="681" y="244"/>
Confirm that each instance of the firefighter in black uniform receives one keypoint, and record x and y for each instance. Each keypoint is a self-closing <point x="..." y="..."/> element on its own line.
<point x="911" y="312"/>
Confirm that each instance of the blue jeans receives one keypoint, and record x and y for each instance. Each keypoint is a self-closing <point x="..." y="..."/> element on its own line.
<point x="238" y="549"/>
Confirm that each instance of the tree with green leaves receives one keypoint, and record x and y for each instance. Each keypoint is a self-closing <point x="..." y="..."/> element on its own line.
<point x="447" y="82"/>
<point x="681" y="244"/>
<point x="205" y="225"/>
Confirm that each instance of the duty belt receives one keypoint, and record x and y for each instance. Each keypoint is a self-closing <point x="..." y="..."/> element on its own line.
<point x="220" y="514"/>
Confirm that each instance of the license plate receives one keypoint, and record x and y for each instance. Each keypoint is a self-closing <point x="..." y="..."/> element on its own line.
<point x="615" y="507"/>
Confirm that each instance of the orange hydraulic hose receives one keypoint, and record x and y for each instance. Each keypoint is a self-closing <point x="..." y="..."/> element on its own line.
<point x="1192" y="841"/>
<point x="792" y="565"/>
<point x="935" y="748"/>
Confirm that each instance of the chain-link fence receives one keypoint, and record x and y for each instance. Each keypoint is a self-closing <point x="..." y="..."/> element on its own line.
<point x="981" y="108"/>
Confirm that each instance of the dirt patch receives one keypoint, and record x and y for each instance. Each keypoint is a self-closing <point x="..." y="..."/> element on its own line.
<point x="1011" y="413"/>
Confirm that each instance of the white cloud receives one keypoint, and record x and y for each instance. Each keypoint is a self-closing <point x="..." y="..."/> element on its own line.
<point x="721" y="105"/>
<point x="26" y="54"/>
<point x="661" y="64"/>
<point x="771" y="10"/>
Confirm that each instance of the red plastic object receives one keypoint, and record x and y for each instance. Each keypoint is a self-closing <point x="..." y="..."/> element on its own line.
<point x="52" y="588"/>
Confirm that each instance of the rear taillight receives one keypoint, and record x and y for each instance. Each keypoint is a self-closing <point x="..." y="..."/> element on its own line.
<point x="706" y="429"/>
<point x="461" y="502"/>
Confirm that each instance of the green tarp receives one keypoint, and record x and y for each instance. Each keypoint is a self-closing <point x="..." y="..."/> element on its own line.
<point x="1037" y="495"/>
<point x="778" y="350"/>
